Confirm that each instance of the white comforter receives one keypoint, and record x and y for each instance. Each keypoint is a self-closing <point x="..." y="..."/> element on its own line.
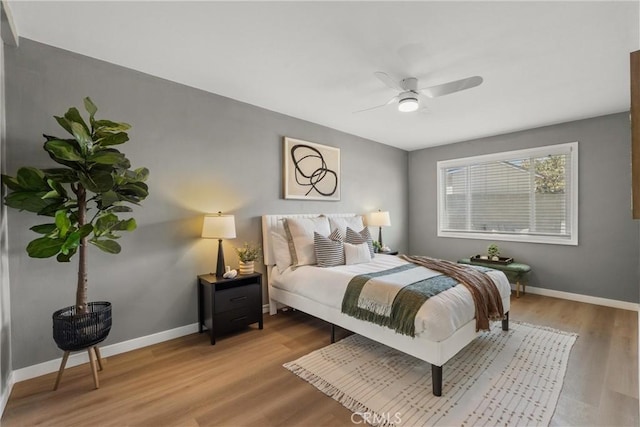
<point x="439" y="317"/>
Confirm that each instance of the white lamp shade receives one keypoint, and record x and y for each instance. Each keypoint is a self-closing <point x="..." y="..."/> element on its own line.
<point x="219" y="227"/>
<point x="379" y="219"/>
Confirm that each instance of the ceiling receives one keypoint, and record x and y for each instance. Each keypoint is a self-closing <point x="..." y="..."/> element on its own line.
<point x="542" y="62"/>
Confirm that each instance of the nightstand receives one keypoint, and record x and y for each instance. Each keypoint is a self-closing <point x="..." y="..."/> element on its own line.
<point x="226" y="305"/>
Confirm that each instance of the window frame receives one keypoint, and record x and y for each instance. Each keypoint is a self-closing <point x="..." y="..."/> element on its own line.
<point x="556" y="149"/>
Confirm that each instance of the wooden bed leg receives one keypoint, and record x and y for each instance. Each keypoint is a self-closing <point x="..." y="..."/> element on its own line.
<point x="436" y="379"/>
<point x="505" y="322"/>
<point x="333" y="333"/>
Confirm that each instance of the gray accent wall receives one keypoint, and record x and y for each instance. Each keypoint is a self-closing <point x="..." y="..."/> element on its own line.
<point x="205" y="152"/>
<point x="605" y="262"/>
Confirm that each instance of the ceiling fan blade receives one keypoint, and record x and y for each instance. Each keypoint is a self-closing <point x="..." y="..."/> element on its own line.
<point x="451" y="87"/>
<point x="391" y="101"/>
<point x="388" y="81"/>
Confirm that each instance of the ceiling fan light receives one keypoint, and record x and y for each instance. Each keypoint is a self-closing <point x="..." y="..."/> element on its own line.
<point x="408" y="105"/>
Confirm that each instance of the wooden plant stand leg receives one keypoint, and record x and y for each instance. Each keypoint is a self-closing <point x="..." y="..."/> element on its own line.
<point x="94" y="371"/>
<point x="97" y="350"/>
<point x="61" y="370"/>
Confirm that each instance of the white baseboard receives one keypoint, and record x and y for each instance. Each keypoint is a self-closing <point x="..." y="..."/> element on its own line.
<point x="624" y="305"/>
<point x="4" y="398"/>
<point x="110" y="350"/>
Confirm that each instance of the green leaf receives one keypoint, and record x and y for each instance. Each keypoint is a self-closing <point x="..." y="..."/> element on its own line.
<point x="109" y="126"/>
<point x="62" y="257"/>
<point x="73" y="116"/>
<point x="44" y="247"/>
<point x="107" y="157"/>
<point x="108" y="198"/>
<point x="31" y="179"/>
<point x="120" y="208"/>
<point x="11" y="183"/>
<point x="28" y="201"/>
<point x="109" y="246"/>
<point x="113" y="139"/>
<point x="142" y="174"/>
<point x="126" y="225"/>
<point x="64" y="123"/>
<point x="57" y="187"/>
<point x="61" y="175"/>
<point x="138" y="189"/>
<point x="90" y="107"/>
<point x="71" y="242"/>
<point x="81" y="135"/>
<point x="85" y="230"/>
<point x="97" y="181"/>
<point x="63" y="150"/>
<point x="44" y="228"/>
<point x="63" y="224"/>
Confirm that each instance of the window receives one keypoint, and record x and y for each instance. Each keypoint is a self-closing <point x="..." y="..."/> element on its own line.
<point x="526" y="195"/>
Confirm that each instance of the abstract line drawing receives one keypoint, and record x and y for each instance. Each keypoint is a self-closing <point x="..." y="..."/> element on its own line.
<point x="311" y="171"/>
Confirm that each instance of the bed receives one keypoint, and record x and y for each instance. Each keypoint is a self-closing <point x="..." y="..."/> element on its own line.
<point x="316" y="291"/>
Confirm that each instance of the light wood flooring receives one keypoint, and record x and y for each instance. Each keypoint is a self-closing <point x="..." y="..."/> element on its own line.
<point x="240" y="381"/>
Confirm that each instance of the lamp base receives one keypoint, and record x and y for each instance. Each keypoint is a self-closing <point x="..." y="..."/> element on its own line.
<point x="220" y="265"/>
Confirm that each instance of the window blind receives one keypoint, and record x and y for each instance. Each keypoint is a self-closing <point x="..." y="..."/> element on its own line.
<point x="524" y="195"/>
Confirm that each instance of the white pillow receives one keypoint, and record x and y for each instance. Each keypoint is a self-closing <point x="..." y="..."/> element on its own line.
<point x="280" y="251"/>
<point x="341" y="223"/>
<point x="356" y="254"/>
<point x="300" y="237"/>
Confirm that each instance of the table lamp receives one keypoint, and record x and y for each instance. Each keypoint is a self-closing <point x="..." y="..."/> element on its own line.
<point x="379" y="219"/>
<point x="218" y="226"/>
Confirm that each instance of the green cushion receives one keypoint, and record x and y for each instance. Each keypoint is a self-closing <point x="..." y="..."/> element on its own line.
<point x="513" y="271"/>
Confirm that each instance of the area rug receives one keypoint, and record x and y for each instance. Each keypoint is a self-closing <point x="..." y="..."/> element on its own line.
<point x="510" y="378"/>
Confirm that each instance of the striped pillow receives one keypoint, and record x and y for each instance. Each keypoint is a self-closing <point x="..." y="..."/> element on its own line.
<point x="356" y="238"/>
<point x="329" y="250"/>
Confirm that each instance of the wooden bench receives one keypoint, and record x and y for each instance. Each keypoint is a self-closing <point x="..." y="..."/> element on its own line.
<point x="515" y="272"/>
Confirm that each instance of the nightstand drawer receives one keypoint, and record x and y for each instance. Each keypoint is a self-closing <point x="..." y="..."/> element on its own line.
<point x="234" y="319"/>
<point x="237" y="297"/>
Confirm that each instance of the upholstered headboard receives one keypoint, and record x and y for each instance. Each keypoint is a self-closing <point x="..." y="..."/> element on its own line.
<point x="274" y="223"/>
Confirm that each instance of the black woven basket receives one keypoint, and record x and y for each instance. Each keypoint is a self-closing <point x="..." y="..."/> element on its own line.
<point x="73" y="332"/>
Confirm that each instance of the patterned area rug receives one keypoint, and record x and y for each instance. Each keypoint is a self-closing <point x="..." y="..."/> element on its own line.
<point x="509" y="378"/>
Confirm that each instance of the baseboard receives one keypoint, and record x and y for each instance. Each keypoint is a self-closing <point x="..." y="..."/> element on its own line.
<point x="624" y="305"/>
<point x="4" y="398"/>
<point x="110" y="350"/>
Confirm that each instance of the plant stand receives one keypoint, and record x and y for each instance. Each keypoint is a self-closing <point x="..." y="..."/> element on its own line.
<point x="78" y="332"/>
<point x="94" y="355"/>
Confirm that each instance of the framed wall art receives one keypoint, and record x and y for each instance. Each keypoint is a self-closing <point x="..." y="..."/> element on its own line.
<point x="311" y="171"/>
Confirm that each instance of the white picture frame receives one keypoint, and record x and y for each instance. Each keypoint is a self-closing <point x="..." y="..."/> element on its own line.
<point x="311" y="170"/>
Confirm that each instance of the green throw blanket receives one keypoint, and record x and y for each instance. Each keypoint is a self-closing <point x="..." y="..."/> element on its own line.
<point x="376" y="298"/>
<point x="393" y="297"/>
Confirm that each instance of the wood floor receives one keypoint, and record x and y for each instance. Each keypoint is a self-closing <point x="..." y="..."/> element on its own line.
<point x="240" y="381"/>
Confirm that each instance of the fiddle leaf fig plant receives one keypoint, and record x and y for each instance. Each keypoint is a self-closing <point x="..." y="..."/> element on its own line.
<point x="81" y="200"/>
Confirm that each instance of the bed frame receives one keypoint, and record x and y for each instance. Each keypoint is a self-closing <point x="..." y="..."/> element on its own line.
<point x="435" y="353"/>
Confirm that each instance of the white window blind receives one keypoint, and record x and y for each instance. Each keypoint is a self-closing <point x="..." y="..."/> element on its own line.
<point x="526" y="195"/>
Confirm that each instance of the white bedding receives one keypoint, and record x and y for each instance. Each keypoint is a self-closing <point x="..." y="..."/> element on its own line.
<point x="438" y="319"/>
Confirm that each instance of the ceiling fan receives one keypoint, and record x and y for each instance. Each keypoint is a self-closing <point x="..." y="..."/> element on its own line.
<point x="410" y="97"/>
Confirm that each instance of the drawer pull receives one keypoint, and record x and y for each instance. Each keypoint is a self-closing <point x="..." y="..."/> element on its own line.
<point x="242" y="298"/>
<point x="238" y="319"/>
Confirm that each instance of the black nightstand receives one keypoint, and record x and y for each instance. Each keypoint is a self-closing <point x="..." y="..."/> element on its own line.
<point x="226" y="305"/>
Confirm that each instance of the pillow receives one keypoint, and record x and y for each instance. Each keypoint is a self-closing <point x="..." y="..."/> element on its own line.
<point x="341" y="223"/>
<point x="280" y="251"/>
<point x="299" y="233"/>
<point x="363" y="236"/>
<point x="356" y="254"/>
<point x="329" y="250"/>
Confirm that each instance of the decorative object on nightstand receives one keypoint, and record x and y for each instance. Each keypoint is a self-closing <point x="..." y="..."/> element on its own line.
<point x="247" y="255"/>
<point x="226" y="305"/>
<point x="218" y="226"/>
<point x="379" y="219"/>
